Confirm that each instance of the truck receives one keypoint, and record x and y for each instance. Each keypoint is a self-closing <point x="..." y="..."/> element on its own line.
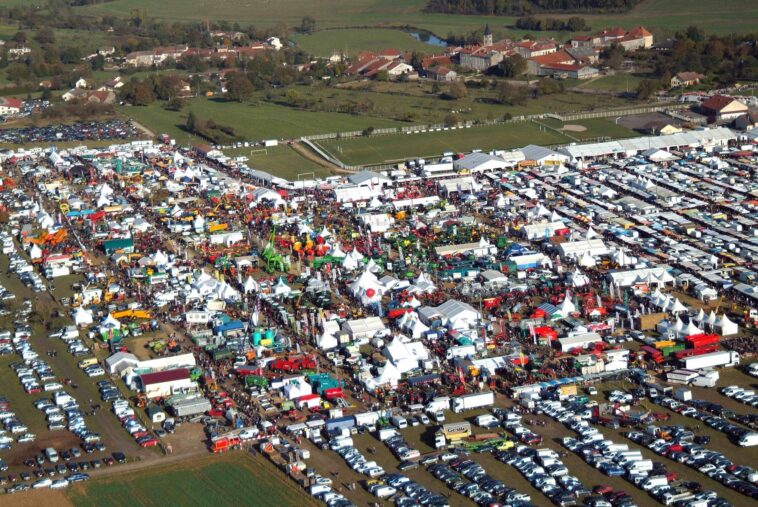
<point x="748" y="439"/>
<point x="437" y="404"/>
<point x="366" y="419"/>
<point x="460" y="351"/>
<point x="720" y="358"/>
<point x="472" y="401"/>
<point x="452" y="433"/>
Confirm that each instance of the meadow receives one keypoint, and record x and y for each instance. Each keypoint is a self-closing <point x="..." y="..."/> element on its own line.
<point x="717" y="16"/>
<point x="234" y="480"/>
<point x="324" y="43"/>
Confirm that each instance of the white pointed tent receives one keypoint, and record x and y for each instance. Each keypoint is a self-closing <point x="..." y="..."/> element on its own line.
<point x="349" y="263"/>
<point x="678" y="325"/>
<point x="281" y="288"/>
<point x="711" y="319"/>
<point x="622" y="259"/>
<point x="35" y="252"/>
<point x="324" y="233"/>
<point x="424" y="284"/>
<point x="82" y="317"/>
<point x="726" y="326"/>
<point x="337" y="251"/>
<point x="567" y="307"/>
<point x="372" y="266"/>
<point x="578" y="279"/>
<point x="677" y="307"/>
<point x="587" y="260"/>
<point x="250" y="285"/>
<point x="691" y="329"/>
<point x="700" y="317"/>
<point x="367" y="288"/>
<point x="590" y="234"/>
<point x="501" y="202"/>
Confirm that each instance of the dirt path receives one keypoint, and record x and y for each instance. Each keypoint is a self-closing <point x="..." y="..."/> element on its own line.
<point x="304" y="152"/>
<point x="149" y="133"/>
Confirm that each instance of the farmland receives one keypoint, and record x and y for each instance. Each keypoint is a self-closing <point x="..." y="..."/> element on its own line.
<point x="353" y="41"/>
<point x="201" y="482"/>
<point x="717" y="16"/>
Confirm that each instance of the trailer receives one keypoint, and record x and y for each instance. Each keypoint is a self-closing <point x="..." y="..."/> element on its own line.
<point x="437" y="404"/>
<point x="472" y="401"/>
<point x="190" y="407"/>
<point x="714" y="359"/>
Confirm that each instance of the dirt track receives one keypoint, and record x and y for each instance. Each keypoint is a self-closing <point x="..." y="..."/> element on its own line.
<point x="304" y="152"/>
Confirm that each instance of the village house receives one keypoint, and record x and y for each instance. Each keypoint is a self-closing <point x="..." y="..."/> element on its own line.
<point x="479" y="58"/>
<point x="636" y="38"/>
<point x="723" y="108"/>
<point x="16" y="53"/>
<point x="441" y="73"/>
<point x="531" y="49"/>
<point x="154" y="56"/>
<point x="747" y="121"/>
<point x="684" y="79"/>
<point x="10" y="106"/>
<point x="560" y="64"/>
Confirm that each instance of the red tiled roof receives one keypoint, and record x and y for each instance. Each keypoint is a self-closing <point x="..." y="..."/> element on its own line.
<point x="12" y="102"/>
<point x="565" y="66"/>
<point x="553" y="58"/>
<point x="718" y="102"/>
<point x="164" y="376"/>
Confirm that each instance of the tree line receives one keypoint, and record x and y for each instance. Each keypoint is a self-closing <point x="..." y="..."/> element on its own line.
<point x="526" y="7"/>
<point x="573" y="24"/>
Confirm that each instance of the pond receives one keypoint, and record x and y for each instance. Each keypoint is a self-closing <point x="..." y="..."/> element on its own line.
<point x="429" y="38"/>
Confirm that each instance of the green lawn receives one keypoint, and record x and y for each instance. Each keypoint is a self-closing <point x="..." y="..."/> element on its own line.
<point x="719" y="16"/>
<point x="280" y="161"/>
<point x="393" y="148"/>
<point x="250" y="121"/>
<point x="236" y="480"/>
<point x="352" y="41"/>
<point x="595" y="127"/>
<point x="614" y="83"/>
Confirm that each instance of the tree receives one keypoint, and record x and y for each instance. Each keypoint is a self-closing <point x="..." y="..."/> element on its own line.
<point x="19" y="37"/>
<point x="547" y="86"/>
<point x="647" y="88"/>
<point x="71" y="55"/>
<point x="143" y="94"/>
<point x="98" y="62"/>
<point x="45" y="35"/>
<point x="513" y="66"/>
<point x="417" y="60"/>
<point x="614" y="56"/>
<point x="577" y="24"/>
<point x="510" y="94"/>
<point x="175" y="104"/>
<point x="307" y="25"/>
<point x="451" y="120"/>
<point x="239" y="87"/>
<point x="192" y="122"/>
<point x="457" y="90"/>
<point x="383" y="75"/>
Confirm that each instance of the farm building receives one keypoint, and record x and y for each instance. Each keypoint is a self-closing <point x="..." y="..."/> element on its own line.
<point x="165" y="383"/>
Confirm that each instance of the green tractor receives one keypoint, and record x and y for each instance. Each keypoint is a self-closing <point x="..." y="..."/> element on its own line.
<point x="274" y="260"/>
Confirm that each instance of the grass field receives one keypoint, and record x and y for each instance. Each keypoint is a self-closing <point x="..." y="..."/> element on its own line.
<point x="352" y="41"/>
<point x="614" y="83"/>
<point x="280" y="161"/>
<point x="391" y="148"/>
<point x="234" y="480"/>
<point x="250" y="121"/>
<point x="719" y="16"/>
<point x="595" y="127"/>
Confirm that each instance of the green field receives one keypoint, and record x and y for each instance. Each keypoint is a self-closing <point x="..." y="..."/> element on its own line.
<point x="352" y="41"/>
<point x="614" y="83"/>
<point x="250" y="121"/>
<point x="719" y="16"/>
<point x="392" y="148"/>
<point x="595" y="127"/>
<point x="282" y="161"/>
<point x="236" y="480"/>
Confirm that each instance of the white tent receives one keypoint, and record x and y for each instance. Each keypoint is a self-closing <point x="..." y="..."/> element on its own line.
<point x="336" y="251"/>
<point x="388" y="376"/>
<point x="700" y="317"/>
<point x="711" y="319"/>
<point x="110" y="322"/>
<point x="367" y="288"/>
<point x="82" y="317"/>
<point x="590" y="233"/>
<point x="587" y="260"/>
<point x="35" y="252"/>
<point x="622" y="259"/>
<point x="250" y="285"/>
<point x="281" y="288"/>
<point x="677" y="307"/>
<point x="691" y="329"/>
<point x="726" y="326"/>
<point x="578" y="279"/>
<point x="349" y="263"/>
<point x="567" y="307"/>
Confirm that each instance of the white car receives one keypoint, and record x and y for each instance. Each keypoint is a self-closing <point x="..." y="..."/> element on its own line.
<point x="53" y="386"/>
<point x="42" y="483"/>
<point x="59" y="484"/>
<point x="381" y="490"/>
<point x="94" y="372"/>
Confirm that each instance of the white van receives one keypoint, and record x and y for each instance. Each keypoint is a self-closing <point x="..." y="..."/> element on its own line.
<point x="399" y="422"/>
<point x="51" y="455"/>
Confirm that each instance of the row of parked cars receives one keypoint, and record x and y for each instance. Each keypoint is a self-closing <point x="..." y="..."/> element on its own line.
<point x="746" y="396"/>
<point x="618" y="459"/>
<point x="13" y="428"/>
<point x="81" y="131"/>
<point x="125" y="414"/>
<point x="678" y="446"/>
<point x="714" y="415"/>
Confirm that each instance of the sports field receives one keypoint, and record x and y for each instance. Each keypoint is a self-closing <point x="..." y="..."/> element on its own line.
<point x="615" y="83"/>
<point x="719" y="16"/>
<point x="282" y="161"/>
<point x="232" y="481"/>
<point x="393" y="148"/>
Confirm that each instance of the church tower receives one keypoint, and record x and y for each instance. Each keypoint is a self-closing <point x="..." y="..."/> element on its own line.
<point x="487" y="38"/>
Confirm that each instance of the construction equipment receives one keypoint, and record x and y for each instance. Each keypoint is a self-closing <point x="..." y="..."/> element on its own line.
<point x="293" y="364"/>
<point x="132" y="314"/>
<point x="274" y="260"/>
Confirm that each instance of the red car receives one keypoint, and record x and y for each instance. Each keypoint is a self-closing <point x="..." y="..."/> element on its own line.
<point x="147" y="442"/>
